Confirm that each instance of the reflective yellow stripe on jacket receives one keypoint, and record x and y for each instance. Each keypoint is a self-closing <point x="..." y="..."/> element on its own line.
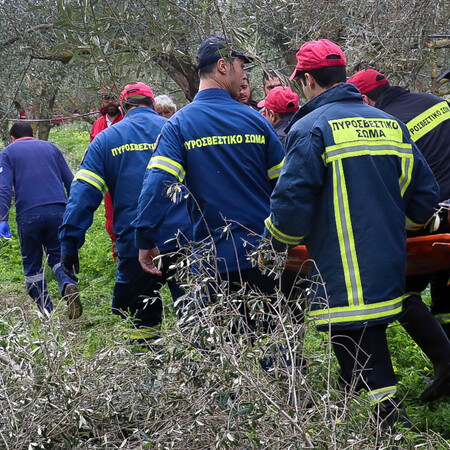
<point x="413" y="226"/>
<point x="169" y="165"/>
<point x="93" y="179"/>
<point x="428" y="120"/>
<point x="275" y="171"/>
<point x="279" y="235"/>
<point x="345" y="236"/>
<point x="357" y="313"/>
<point x="381" y="137"/>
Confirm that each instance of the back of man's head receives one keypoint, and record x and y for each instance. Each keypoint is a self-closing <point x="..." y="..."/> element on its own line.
<point x="138" y="94"/>
<point x="323" y="60"/>
<point x="20" y="130"/>
<point x="213" y="49"/>
<point x="370" y="83"/>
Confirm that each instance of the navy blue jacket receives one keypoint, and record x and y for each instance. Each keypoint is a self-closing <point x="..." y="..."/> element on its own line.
<point x="428" y="120"/>
<point x="116" y="162"/>
<point x="38" y="172"/>
<point x="351" y="181"/>
<point x="229" y="157"/>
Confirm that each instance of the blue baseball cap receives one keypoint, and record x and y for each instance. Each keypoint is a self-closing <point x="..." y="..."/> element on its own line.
<point x="215" y="48"/>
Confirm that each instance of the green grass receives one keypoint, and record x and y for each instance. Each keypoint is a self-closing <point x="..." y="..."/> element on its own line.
<point x="98" y="328"/>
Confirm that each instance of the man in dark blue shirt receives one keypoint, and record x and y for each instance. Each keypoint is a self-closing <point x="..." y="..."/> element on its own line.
<point x="229" y="157"/>
<point x="38" y="172"/>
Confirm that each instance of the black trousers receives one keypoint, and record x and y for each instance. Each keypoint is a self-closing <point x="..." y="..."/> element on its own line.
<point x="365" y="363"/>
<point x="440" y="292"/>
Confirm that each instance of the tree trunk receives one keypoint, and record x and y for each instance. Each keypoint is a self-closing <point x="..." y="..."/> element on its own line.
<point x="45" y="111"/>
<point x="182" y="71"/>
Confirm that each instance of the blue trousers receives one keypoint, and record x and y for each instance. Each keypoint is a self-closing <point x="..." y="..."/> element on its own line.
<point x="38" y="232"/>
<point x="137" y="293"/>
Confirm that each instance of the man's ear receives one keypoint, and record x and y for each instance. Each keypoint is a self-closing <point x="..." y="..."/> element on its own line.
<point x="222" y="66"/>
<point x="12" y="138"/>
<point x="310" y="81"/>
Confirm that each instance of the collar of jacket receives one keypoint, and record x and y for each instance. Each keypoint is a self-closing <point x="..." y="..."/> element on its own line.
<point x="388" y="96"/>
<point x="284" y="122"/>
<point x="342" y="92"/>
<point x="213" y="93"/>
<point x="140" y="110"/>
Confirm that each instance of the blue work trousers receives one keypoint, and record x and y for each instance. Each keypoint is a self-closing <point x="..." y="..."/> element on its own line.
<point x="137" y="293"/>
<point x="38" y="232"/>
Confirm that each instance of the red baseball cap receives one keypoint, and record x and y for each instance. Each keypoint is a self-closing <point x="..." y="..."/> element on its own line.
<point x="138" y="90"/>
<point x="368" y="80"/>
<point x="318" y="54"/>
<point x="281" y="99"/>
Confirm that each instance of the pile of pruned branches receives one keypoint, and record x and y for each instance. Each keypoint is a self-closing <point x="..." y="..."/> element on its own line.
<point x="234" y="371"/>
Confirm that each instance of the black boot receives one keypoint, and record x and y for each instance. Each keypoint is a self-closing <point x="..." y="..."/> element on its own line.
<point x="426" y="331"/>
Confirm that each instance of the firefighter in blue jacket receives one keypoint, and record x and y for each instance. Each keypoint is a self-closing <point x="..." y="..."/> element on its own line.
<point x="116" y="162"/>
<point x="427" y="118"/>
<point x="351" y="180"/>
<point x="229" y="157"/>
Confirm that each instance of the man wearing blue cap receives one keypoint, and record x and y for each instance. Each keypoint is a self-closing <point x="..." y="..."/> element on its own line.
<point x="229" y="157"/>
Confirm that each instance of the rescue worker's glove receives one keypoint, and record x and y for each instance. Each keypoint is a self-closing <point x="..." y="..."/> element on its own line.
<point x="5" y="232"/>
<point x="262" y="261"/>
<point x="71" y="265"/>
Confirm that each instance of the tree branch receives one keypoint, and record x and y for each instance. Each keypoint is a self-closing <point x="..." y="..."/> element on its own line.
<point x="13" y="39"/>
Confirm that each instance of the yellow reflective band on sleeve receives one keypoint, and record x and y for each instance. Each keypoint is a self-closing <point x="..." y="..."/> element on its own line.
<point x="345" y="236"/>
<point x="382" y="394"/>
<point x="93" y="179"/>
<point x="169" y="165"/>
<point x="443" y="318"/>
<point x="360" y="313"/>
<point x="428" y="120"/>
<point x="413" y="226"/>
<point x="280" y="236"/>
<point x="275" y="171"/>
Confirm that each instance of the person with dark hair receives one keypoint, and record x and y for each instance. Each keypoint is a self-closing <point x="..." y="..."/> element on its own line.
<point x="272" y="79"/>
<point x="116" y="162"/>
<point x="428" y="119"/>
<point x="38" y="173"/>
<point x="280" y="104"/>
<point x="351" y="180"/>
<point x="110" y="111"/>
<point x="229" y="157"/>
<point x="245" y="93"/>
<point x="110" y="115"/>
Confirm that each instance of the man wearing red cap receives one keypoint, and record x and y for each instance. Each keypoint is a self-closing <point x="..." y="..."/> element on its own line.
<point x="428" y="120"/>
<point x="350" y="175"/>
<point x="116" y="162"/>
<point x="281" y="104"/>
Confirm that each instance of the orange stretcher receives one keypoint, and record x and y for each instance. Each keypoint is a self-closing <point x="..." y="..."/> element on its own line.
<point x="424" y="254"/>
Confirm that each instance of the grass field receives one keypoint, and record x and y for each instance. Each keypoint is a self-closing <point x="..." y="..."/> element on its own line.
<point x="88" y="390"/>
